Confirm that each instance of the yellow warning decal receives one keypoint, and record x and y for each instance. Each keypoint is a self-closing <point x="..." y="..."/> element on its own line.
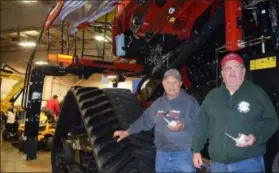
<point x="65" y="56"/>
<point x="263" y="63"/>
<point x="172" y="19"/>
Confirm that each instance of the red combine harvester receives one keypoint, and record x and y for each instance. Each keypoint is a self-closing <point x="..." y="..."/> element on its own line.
<point x="189" y="35"/>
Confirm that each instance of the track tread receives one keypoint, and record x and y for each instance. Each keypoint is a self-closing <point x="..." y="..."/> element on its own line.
<point x="102" y="112"/>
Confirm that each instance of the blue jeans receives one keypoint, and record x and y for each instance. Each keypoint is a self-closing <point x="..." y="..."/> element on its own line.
<point x="255" y="164"/>
<point x="179" y="161"/>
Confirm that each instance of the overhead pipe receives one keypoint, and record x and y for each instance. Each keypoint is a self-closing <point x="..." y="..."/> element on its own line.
<point x="82" y="43"/>
<point x="193" y="45"/>
<point x="68" y="44"/>
<point x="48" y="41"/>
<point x="105" y="34"/>
<point x="200" y="38"/>
<point x="62" y="38"/>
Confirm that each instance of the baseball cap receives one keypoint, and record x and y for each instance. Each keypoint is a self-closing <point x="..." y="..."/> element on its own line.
<point x="173" y="72"/>
<point x="231" y="56"/>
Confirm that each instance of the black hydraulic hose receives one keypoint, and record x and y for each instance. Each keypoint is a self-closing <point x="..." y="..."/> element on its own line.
<point x="196" y="42"/>
<point x="13" y="69"/>
<point x="29" y="66"/>
<point x="193" y="45"/>
<point x="200" y="38"/>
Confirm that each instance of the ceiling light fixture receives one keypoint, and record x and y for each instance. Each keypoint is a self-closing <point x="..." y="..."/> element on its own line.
<point x="100" y="38"/>
<point x="27" y="44"/>
<point x="29" y="1"/>
<point x="41" y="62"/>
<point x="112" y="76"/>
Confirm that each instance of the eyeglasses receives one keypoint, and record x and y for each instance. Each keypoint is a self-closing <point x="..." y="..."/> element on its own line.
<point x="230" y="68"/>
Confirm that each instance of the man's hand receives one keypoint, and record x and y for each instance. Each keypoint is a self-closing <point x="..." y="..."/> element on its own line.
<point x="121" y="134"/>
<point x="197" y="160"/>
<point x="178" y="126"/>
<point x="250" y="140"/>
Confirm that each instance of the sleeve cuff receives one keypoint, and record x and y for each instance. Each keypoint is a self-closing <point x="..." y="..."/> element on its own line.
<point x="196" y="150"/>
<point x="129" y="131"/>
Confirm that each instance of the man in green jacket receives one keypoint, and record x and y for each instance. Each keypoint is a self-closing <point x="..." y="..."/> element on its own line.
<point x="238" y="118"/>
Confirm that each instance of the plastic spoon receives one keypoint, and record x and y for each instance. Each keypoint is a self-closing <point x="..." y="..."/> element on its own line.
<point x="241" y="140"/>
<point x="170" y="123"/>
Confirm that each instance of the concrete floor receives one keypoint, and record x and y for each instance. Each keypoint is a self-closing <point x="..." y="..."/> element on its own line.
<point x="12" y="160"/>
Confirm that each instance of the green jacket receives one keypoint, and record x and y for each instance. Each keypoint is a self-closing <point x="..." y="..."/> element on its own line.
<point x="248" y="110"/>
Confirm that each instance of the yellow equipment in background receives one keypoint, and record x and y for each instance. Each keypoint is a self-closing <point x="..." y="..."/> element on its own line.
<point x="45" y="134"/>
<point x="14" y="92"/>
<point x="47" y="120"/>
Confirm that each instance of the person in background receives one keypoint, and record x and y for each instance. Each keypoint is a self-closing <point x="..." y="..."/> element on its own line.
<point x="53" y="105"/>
<point x="238" y="118"/>
<point x="174" y="116"/>
<point x="11" y="122"/>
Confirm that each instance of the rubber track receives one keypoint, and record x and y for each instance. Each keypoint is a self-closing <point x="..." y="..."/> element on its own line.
<point x="103" y="112"/>
<point x="128" y="109"/>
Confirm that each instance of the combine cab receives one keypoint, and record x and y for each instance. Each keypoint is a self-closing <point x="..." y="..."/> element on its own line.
<point x="189" y="35"/>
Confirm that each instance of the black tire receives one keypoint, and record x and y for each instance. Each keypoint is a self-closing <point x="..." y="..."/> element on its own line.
<point x="20" y="144"/>
<point x="62" y="155"/>
<point x="21" y="141"/>
<point x="5" y="135"/>
<point x="49" y="142"/>
<point x="101" y="112"/>
<point x="3" y="118"/>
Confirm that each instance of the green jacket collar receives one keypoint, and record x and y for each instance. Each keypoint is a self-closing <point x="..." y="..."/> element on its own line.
<point x="240" y="89"/>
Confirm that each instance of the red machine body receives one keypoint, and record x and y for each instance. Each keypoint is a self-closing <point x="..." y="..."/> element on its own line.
<point x="175" y="17"/>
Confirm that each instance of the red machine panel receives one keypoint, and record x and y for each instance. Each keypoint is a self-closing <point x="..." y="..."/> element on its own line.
<point x="175" y="17"/>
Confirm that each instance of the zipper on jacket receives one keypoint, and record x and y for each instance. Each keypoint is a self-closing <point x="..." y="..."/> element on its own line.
<point x="226" y="122"/>
<point x="225" y="138"/>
